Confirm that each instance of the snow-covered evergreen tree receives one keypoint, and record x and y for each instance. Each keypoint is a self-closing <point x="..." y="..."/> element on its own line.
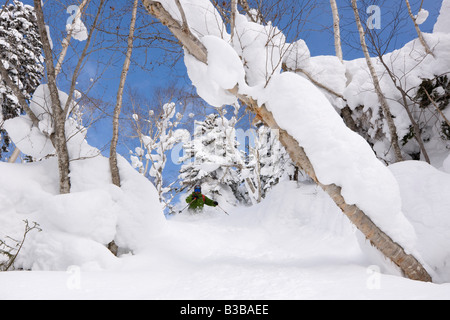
<point x="213" y="160"/>
<point x="216" y="160"/>
<point x="20" y="54"/>
<point x="268" y="163"/>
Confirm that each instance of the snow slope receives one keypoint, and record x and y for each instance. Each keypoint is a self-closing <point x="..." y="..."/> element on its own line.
<point x="307" y="250"/>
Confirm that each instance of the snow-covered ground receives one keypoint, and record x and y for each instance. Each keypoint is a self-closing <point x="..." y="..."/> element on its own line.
<point x="296" y="244"/>
<point x="286" y="248"/>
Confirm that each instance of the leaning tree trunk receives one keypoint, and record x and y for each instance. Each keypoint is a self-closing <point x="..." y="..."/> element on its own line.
<point x="381" y="98"/>
<point x="410" y="266"/>
<point x="115" y="175"/>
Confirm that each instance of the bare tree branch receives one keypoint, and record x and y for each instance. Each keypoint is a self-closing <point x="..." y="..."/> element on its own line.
<point x="191" y="44"/>
<point x="185" y="26"/>
<point x="419" y="33"/>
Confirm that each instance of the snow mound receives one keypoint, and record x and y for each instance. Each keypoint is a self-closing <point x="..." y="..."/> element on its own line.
<point x="443" y="22"/>
<point x="446" y="164"/>
<point x="422" y="16"/>
<point x="223" y="72"/>
<point x="426" y="204"/>
<point x="77" y="227"/>
<point x="291" y="207"/>
<point x="295" y="224"/>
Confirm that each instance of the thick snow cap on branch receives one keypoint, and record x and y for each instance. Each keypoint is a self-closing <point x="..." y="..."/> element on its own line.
<point x="203" y="18"/>
<point x="35" y="141"/>
<point x="78" y="30"/>
<point x="262" y="48"/>
<point x="422" y="16"/>
<point x="223" y="72"/>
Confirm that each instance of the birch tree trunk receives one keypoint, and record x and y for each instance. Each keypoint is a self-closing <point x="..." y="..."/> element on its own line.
<point x="58" y="137"/>
<point x="376" y="83"/>
<point x="62" y="55"/>
<point x="14" y="156"/>
<point x="419" y="33"/>
<point x="233" y="19"/>
<point x="411" y="267"/>
<point x="115" y="175"/>
<point x="337" y="30"/>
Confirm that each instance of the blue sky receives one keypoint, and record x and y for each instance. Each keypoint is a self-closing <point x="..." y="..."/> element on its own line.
<point x="322" y="43"/>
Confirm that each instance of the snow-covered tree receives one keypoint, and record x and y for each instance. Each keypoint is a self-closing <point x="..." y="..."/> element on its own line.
<point x="269" y="162"/>
<point x="432" y="107"/>
<point x="227" y="165"/>
<point x="21" y="56"/>
<point x="376" y="82"/>
<point x="213" y="159"/>
<point x="150" y="158"/>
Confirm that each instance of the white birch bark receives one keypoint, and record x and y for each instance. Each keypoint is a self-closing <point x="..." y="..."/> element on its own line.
<point x="14" y="156"/>
<point x="59" y="135"/>
<point x="337" y="30"/>
<point x="115" y="175"/>
<point x="419" y="32"/>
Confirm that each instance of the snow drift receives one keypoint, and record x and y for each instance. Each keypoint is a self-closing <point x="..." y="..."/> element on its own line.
<point x="426" y="204"/>
<point x="77" y="227"/>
